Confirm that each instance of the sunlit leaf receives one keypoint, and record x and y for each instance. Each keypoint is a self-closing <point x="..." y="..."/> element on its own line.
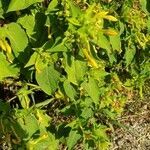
<point x="17" y="37"/>
<point x="70" y="91"/>
<point x="19" y="5"/>
<point x="48" y="79"/>
<point x="115" y="42"/>
<point x="92" y="89"/>
<point x="73" y="138"/>
<point x="7" y="69"/>
<point x="129" y="55"/>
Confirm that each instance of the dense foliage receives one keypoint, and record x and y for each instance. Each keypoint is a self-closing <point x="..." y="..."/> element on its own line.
<point x="67" y="69"/>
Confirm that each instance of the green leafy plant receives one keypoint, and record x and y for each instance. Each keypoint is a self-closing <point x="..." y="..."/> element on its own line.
<point x="73" y="65"/>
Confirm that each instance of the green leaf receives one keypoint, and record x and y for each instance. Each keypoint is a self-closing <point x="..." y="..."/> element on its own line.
<point x="122" y="27"/>
<point x="87" y="113"/>
<point x="6" y="69"/>
<point x="92" y="89"/>
<point x="81" y="69"/>
<point x="45" y="142"/>
<point x="115" y="42"/>
<point x="1" y="10"/>
<point x="40" y="31"/>
<point x="86" y="103"/>
<point x="48" y="79"/>
<point x="148" y="24"/>
<point x="111" y="56"/>
<point x="103" y="42"/>
<point x="100" y="132"/>
<point x="28" y="23"/>
<point x="23" y="97"/>
<point x="76" y="69"/>
<point x="70" y="91"/>
<point x="43" y="119"/>
<point x="15" y="5"/>
<point x="144" y="5"/>
<point x="70" y="68"/>
<point x="32" y="59"/>
<point x="148" y="6"/>
<point x="52" y="5"/>
<point x="109" y="113"/>
<point x="73" y="138"/>
<point x="58" y="48"/>
<point x="99" y="75"/>
<point x="27" y="122"/>
<point x="4" y="107"/>
<point x="75" y="10"/>
<point x="17" y="37"/>
<point x="74" y="21"/>
<point x="43" y="103"/>
<point x="129" y="55"/>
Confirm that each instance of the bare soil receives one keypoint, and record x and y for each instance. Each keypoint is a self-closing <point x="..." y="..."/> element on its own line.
<point x="135" y="132"/>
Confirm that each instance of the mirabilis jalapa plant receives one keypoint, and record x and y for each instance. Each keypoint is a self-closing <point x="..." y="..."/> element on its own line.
<point x="77" y="54"/>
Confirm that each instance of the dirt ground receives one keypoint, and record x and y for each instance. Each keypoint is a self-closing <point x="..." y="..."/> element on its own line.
<point x="135" y="133"/>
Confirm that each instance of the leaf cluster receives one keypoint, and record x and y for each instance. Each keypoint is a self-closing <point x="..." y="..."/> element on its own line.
<point x="68" y="68"/>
